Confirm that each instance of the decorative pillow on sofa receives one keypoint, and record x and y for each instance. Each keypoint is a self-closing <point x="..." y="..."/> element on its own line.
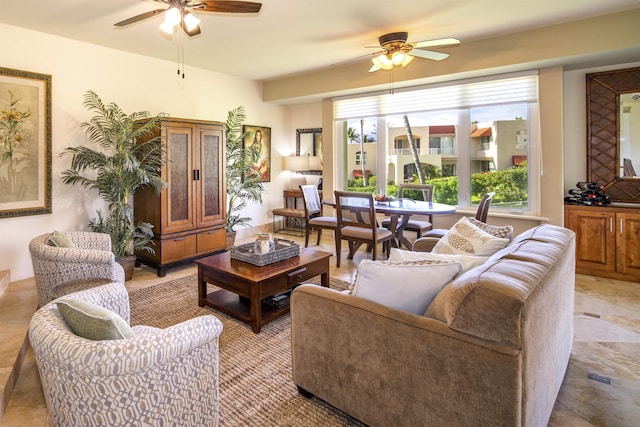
<point x="468" y="261"/>
<point x="60" y="240"/>
<point x="467" y="239"/>
<point x="505" y="231"/>
<point x="408" y="285"/>
<point x="90" y="321"/>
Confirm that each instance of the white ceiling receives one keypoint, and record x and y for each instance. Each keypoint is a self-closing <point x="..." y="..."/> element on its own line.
<point x="293" y="36"/>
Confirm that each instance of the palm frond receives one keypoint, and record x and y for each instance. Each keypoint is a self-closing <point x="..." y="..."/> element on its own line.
<point x="118" y="168"/>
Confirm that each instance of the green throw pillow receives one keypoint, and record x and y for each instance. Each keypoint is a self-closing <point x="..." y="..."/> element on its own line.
<point x="90" y="321"/>
<point x="60" y="240"/>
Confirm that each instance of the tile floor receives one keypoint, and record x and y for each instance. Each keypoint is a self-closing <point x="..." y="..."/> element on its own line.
<point x="601" y="388"/>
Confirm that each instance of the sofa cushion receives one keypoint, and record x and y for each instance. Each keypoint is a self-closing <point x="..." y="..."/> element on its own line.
<point x="468" y="261"/>
<point x="468" y="239"/>
<point x="90" y="321"/>
<point x="407" y="285"/>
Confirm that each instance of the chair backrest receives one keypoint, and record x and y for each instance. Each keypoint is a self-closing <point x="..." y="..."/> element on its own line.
<point x="483" y="207"/>
<point x="629" y="170"/>
<point x="355" y="209"/>
<point x="311" y="198"/>
<point x="422" y="192"/>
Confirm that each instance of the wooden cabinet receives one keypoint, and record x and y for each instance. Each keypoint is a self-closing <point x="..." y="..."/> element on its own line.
<point x="189" y="216"/>
<point x="606" y="240"/>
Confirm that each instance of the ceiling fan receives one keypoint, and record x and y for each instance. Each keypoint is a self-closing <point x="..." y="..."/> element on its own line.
<point x="180" y="13"/>
<point x="397" y="52"/>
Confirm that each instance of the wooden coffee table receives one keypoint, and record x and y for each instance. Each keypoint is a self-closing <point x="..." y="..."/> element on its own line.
<point x="244" y="286"/>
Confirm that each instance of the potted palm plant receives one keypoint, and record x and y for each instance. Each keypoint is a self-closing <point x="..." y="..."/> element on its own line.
<point x="117" y="169"/>
<point x="243" y="181"/>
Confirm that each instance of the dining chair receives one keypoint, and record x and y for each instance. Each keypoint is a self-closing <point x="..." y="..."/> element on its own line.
<point x="313" y="215"/>
<point x="421" y="192"/>
<point x="357" y="224"/>
<point x="431" y="237"/>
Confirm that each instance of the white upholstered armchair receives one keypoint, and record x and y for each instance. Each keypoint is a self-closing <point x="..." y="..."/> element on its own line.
<point x="62" y="270"/>
<point x="159" y="377"/>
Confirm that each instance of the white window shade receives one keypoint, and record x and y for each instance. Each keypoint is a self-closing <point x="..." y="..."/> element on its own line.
<point x="512" y="89"/>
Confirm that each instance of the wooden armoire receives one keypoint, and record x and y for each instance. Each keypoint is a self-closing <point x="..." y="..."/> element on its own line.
<point x="189" y="215"/>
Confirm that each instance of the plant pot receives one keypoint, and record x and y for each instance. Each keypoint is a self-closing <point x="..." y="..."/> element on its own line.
<point x="231" y="239"/>
<point x="128" y="263"/>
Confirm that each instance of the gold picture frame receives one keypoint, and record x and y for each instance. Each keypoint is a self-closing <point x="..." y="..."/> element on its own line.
<point x="25" y="143"/>
<point x="260" y="135"/>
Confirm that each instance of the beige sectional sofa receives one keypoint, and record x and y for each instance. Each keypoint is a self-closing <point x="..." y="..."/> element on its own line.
<point x="491" y="349"/>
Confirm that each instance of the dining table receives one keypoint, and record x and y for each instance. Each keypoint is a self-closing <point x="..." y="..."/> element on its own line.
<point x="400" y="210"/>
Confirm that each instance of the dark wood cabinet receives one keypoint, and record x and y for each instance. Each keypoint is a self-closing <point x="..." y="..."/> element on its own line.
<point x="189" y="215"/>
<point x="606" y="240"/>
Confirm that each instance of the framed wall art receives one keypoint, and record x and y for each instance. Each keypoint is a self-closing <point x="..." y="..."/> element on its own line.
<point x="258" y="138"/>
<point x="25" y="143"/>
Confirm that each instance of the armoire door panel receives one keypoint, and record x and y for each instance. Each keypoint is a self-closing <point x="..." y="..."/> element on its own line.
<point x="180" y="168"/>
<point x="210" y="185"/>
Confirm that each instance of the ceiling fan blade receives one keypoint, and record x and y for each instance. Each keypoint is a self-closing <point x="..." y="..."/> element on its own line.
<point x="438" y="42"/>
<point x="227" y="6"/>
<point x="429" y="54"/>
<point x="358" y="58"/>
<point x="194" y="32"/>
<point x="140" y="17"/>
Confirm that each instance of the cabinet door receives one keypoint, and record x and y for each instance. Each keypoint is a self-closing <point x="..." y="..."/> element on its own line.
<point x="595" y="240"/>
<point x="628" y="230"/>
<point x="210" y="196"/>
<point x="180" y="167"/>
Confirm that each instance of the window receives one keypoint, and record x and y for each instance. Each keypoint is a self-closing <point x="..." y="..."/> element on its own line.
<point x="478" y="133"/>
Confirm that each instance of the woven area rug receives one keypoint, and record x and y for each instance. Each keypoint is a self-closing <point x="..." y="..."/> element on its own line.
<point x="256" y="386"/>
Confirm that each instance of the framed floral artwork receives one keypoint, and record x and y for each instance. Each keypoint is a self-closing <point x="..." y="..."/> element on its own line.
<point x="25" y="143"/>
<point x="258" y="140"/>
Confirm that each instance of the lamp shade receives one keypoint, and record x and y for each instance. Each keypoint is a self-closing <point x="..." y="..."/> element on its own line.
<point x="296" y="163"/>
<point x="315" y="163"/>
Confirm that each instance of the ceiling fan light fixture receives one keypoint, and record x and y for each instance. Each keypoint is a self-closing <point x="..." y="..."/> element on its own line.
<point x="407" y="60"/>
<point x="387" y="63"/>
<point x="172" y="17"/>
<point x="166" y="27"/>
<point x="191" y="21"/>
<point x="398" y="57"/>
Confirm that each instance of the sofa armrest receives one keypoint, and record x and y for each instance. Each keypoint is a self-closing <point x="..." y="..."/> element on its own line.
<point x="384" y="366"/>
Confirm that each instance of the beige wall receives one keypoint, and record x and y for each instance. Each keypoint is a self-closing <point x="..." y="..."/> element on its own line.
<point x="135" y="83"/>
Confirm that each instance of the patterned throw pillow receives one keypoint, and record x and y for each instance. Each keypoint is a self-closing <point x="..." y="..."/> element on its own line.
<point x="504" y="231"/>
<point x="60" y="240"/>
<point x="408" y="285"/>
<point x="468" y="261"/>
<point x="467" y="239"/>
<point x="90" y="321"/>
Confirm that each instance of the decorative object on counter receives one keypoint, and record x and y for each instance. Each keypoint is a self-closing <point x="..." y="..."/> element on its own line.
<point x="587" y="194"/>
<point x="264" y="244"/>
<point x="283" y="249"/>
